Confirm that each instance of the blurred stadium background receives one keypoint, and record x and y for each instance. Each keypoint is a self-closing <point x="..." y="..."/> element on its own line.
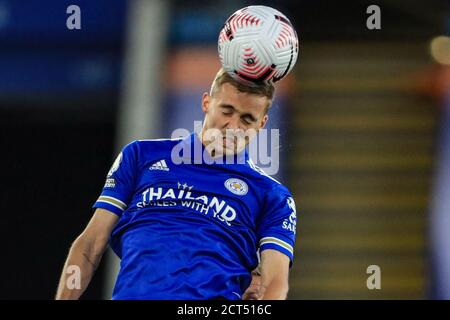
<point x="364" y="119"/>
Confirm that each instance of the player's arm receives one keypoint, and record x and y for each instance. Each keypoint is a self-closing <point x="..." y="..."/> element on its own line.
<point x="85" y="254"/>
<point x="274" y="270"/>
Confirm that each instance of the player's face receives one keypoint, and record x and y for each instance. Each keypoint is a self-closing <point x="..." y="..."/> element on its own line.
<point x="232" y="119"/>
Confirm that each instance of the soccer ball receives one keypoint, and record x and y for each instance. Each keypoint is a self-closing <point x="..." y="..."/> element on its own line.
<point x="258" y="44"/>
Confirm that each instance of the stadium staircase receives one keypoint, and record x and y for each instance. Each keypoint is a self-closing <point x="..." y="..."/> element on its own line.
<point x="360" y="160"/>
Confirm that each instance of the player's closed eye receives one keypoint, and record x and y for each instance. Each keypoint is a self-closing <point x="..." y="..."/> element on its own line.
<point x="245" y="121"/>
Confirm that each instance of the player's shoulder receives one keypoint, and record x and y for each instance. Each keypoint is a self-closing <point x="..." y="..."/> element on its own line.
<point x="143" y="148"/>
<point x="155" y="144"/>
<point x="158" y="143"/>
<point x="264" y="180"/>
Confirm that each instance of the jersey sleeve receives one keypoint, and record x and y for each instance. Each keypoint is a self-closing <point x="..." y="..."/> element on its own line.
<point x="120" y="181"/>
<point x="277" y="227"/>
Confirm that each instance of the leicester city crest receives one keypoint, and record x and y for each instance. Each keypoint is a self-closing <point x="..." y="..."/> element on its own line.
<point x="236" y="186"/>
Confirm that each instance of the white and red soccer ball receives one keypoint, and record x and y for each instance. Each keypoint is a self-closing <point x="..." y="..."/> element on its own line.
<point x="258" y="44"/>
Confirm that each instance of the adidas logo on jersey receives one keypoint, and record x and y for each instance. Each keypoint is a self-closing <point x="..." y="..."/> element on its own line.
<point x="159" y="165"/>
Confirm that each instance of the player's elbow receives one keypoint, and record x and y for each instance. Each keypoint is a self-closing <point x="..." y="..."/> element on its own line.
<point x="284" y="292"/>
<point x="283" y="289"/>
<point x="277" y="290"/>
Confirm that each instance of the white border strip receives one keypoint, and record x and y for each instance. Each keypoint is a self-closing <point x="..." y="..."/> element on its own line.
<point x="278" y="242"/>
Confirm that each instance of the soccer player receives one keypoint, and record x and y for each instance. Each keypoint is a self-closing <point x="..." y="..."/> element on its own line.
<point x="187" y="225"/>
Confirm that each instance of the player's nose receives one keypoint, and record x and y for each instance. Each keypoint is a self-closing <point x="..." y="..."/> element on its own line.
<point x="233" y="123"/>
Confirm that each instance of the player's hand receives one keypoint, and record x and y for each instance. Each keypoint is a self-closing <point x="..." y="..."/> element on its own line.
<point x="255" y="291"/>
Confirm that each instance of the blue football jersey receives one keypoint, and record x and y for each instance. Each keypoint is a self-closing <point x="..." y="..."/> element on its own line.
<point x="189" y="228"/>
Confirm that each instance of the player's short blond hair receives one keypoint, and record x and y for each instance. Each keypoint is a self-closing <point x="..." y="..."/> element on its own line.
<point x="266" y="90"/>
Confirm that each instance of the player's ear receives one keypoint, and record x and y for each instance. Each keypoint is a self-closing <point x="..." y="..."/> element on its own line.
<point x="264" y="121"/>
<point x="206" y="99"/>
